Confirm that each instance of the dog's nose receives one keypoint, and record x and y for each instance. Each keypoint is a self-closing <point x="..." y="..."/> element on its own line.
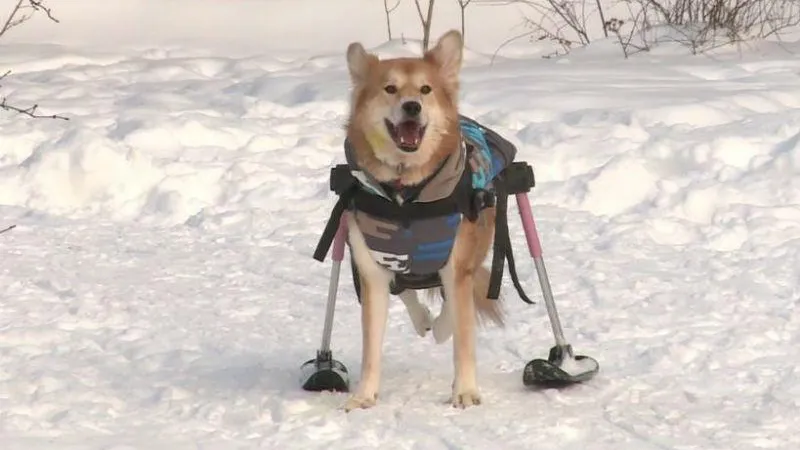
<point x="412" y="108"/>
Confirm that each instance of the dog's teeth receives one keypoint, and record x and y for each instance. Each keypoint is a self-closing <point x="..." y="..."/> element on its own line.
<point x="409" y="140"/>
<point x="408" y="134"/>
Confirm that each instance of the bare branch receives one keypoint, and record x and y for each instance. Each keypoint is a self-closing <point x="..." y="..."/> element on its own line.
<point x="741" y="19"/>
<point x="561" y="20"/>
<point x="419" y="11"/>
<point x="388" y="11"/>
<point x="425" y="21"/>
<point x="427" y="36"/>
<point x="552" y="26"/>
<point x="38" y="5"/>
<point x="508" y="41"/>
<point x="392" y="8"/>
<point x="30" y="111"/>
<point x="463" y="4"/>
<point x="22" y="12"/>
<point x="602" y="16"/>
<point x="12" y="19"/>
<point x="8" y="229"/>
<point x="626" y="43"/>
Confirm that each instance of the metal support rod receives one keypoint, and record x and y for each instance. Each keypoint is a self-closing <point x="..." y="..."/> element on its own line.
<point x="333" y="286"/>
<point x="535" y="248"/>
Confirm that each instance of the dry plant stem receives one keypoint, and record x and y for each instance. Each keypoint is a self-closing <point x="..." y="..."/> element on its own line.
<point x="7" y="229"/>
<point x="388" y="10"/>
<point x="23" y="11"/>
<point x="463" y="4"/>
<point x="740" y="19"/>
<point x="425" y="21"/>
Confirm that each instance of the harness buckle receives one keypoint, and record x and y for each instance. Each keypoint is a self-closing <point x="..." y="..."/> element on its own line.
<point x="341" y="179"/>
<point x="482" y="199"/>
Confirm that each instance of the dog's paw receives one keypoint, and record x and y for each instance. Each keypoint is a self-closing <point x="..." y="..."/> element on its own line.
<point x="465" y="398"/>
<point x="357" y="401"/>
<point x="442" y="328"/>
<point x="421" y="318"/>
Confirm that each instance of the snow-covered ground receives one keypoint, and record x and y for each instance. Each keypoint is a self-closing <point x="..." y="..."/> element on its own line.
<point x="158" y="291"/>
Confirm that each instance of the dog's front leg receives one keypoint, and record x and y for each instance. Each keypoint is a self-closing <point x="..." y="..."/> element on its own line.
<point x="457" y="281"/>
<point x="374" y="282"/>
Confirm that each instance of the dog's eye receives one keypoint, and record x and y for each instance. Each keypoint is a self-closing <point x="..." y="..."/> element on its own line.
<point x="425" y="89"/>
<point x="390" y="89"/>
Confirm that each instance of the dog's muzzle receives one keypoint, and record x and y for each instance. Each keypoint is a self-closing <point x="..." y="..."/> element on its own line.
<point x="408" y="133"/>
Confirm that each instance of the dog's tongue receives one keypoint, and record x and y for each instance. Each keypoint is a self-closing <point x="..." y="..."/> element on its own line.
<point x="408" y="133"/>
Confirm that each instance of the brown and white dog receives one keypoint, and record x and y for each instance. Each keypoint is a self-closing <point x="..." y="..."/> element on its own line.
<point x="403" y="125"/>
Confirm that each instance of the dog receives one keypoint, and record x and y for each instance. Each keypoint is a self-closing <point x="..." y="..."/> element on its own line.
<point x="403" y="127"/>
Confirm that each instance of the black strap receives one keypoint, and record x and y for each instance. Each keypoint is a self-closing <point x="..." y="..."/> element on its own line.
<point x="499" y="246"/>
<point x="512" y="270"/>
<point x="335" y="218"/>
<point x="503" y="250"/>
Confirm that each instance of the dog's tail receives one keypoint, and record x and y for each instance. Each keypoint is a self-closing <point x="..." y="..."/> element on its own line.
<point x="488" y="310"/>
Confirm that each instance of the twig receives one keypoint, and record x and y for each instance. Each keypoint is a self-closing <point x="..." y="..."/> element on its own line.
<point x="419" y="12"/>
<point x="38" y="6"/>
<point x="30" y="111"/>
<point x="10" y="21"/>
<point x="426" y="23"/>
<point x="463" y="4"/>
<point x="19" y="15"/>
<point x="389" y="10"/>
<point x="508" y="41"/>
<point x="8" y="229"/>
<point x="22" y="12"/>
<point x="392" y="8"/>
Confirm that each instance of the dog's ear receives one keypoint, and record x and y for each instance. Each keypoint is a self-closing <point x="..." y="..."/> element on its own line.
<point x="447" y="54"/>
<point x="359" y="62"/>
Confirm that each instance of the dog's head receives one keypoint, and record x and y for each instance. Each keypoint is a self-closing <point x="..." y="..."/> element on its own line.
<point x="405" y="109"/>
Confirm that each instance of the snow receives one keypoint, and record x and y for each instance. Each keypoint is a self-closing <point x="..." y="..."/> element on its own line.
<point x="578" y="366"/>
<point x="158" y="291"/>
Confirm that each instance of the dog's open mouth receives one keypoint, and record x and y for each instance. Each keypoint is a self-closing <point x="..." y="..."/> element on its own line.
<point x="407" y="135"/>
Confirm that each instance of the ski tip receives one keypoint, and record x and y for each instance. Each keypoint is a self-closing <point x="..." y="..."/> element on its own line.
<point x="543" y="373"/>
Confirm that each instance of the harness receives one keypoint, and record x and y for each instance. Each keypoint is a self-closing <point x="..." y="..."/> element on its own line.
<point x="411" y="231"/>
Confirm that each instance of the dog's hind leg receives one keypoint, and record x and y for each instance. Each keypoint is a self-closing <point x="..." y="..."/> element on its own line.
<point x="443" y="323"/>
<point x="420" y="314"/>
<point x="374" y="281"/>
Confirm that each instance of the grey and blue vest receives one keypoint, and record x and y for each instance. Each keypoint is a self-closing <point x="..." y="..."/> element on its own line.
<point x="421" y="247"/>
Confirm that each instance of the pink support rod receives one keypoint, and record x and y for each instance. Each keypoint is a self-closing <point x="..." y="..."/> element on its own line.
<point x="524" y="206"/>
<point x="339" y="241"/>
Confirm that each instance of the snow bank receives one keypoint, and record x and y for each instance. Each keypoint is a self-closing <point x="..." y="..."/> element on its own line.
<point x="168" y="139"/>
